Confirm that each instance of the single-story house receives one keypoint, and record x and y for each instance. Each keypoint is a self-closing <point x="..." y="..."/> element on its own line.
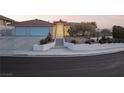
<point x="33" y="28"/>
<point x="4" y="21"/>
<point x="6" y="26"/>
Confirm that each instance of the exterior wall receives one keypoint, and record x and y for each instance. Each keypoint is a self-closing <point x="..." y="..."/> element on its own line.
<point x="6" y="30"/>
<point x="1" y="22"/>
<point x="92" y="47"/>
<point x="32" y="31"/>
<point x="66" y="28"/>
<point x="54" y="31"/>
<point x="5" y="23"/>
<point x="60" y="30"/>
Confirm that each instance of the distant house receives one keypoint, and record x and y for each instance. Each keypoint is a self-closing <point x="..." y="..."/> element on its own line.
<point x="6" y="26"/>
<point x="4" y="21"/>
<point x="33" y="28"/>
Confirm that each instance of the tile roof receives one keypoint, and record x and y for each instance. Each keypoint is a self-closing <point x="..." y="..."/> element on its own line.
<point x="6" y="18"/>
<point x="33" y="23"/>
<point x="61" y="21"/>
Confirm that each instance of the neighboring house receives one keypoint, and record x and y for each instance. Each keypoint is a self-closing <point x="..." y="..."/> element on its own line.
<point x="33" y="28"/>
<point x="6" y="26"/>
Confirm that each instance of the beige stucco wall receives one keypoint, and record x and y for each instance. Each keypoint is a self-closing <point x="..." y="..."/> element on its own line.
<point x="66" y="28"/>
<point x="54" y="31"/>
<point x="60" y="30"/>
<point x="2" y="22"/>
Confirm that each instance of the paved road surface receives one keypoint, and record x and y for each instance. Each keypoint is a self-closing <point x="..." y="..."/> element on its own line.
<point x="102" y="65"/>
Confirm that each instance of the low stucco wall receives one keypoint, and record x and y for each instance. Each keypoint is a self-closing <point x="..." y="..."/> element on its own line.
<point x="88" y="47"/>
<point x="37" y="47"/>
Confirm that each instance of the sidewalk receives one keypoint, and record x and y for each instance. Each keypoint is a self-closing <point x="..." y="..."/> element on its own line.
<point x="58" y="52"/>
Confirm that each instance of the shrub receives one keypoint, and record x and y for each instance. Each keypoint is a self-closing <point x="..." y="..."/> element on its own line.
<point x="92" y="40"/>
<point x="102" y="40"/>
<point x="118" y="41"/>
<point x="115" y="41"/>
<point x="46" y="40"/>
<point x="105" y="40"/>
<point x="123" y="41"/>
<point x="118" y="32"/>
<point x="73" y="41"/>
<point x="43" y="41"/>
<point x="109" y="40"/>
<point x="88" y="42"/>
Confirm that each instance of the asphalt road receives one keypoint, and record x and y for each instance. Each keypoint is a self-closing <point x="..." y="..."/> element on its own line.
<point x="108" y="65"/>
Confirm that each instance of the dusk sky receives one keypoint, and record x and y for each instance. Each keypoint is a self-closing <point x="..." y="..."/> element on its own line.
<point x="103" y="21"/>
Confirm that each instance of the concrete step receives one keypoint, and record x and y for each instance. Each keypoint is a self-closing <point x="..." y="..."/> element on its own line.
<point x="59" y="44"/>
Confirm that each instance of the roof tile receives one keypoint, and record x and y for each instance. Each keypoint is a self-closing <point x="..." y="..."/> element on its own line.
<point x="34" y="23"/>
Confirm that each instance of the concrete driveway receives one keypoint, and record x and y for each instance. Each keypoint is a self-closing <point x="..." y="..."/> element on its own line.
<point x="18" y="43"/>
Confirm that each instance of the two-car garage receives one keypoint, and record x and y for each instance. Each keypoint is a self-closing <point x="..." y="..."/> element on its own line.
<point x="33" y="28"/>
<point x="32" y="31"/>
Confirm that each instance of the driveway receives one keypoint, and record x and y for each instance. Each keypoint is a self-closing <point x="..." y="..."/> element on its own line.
<point x="18" y="43"/>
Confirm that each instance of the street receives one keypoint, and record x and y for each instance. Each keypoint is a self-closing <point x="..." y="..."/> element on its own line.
<point x="107" y="65"/>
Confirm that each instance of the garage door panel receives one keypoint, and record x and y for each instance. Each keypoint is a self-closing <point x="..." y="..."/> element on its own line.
<point x="39" y="31"/>
<point x="32" y="31"/>
<point x="20" y="31"/>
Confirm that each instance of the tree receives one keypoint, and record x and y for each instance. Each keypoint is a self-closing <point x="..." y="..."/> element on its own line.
<point x="106" y="32"/>
<point x="73" y="30"/>
<point x="118" y="32"/>
<point x="115" y="32"/>
<point x="82" y="28"/>
<point x="88" y="27"/>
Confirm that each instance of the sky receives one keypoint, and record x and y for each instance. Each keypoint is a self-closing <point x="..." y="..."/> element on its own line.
<point x="103" y="21"/>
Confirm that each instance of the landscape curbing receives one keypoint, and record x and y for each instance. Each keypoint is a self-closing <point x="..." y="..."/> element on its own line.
<point x="62" y="52"/>
<point x="66" y="51"/>
<point x="92" y="47"/>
